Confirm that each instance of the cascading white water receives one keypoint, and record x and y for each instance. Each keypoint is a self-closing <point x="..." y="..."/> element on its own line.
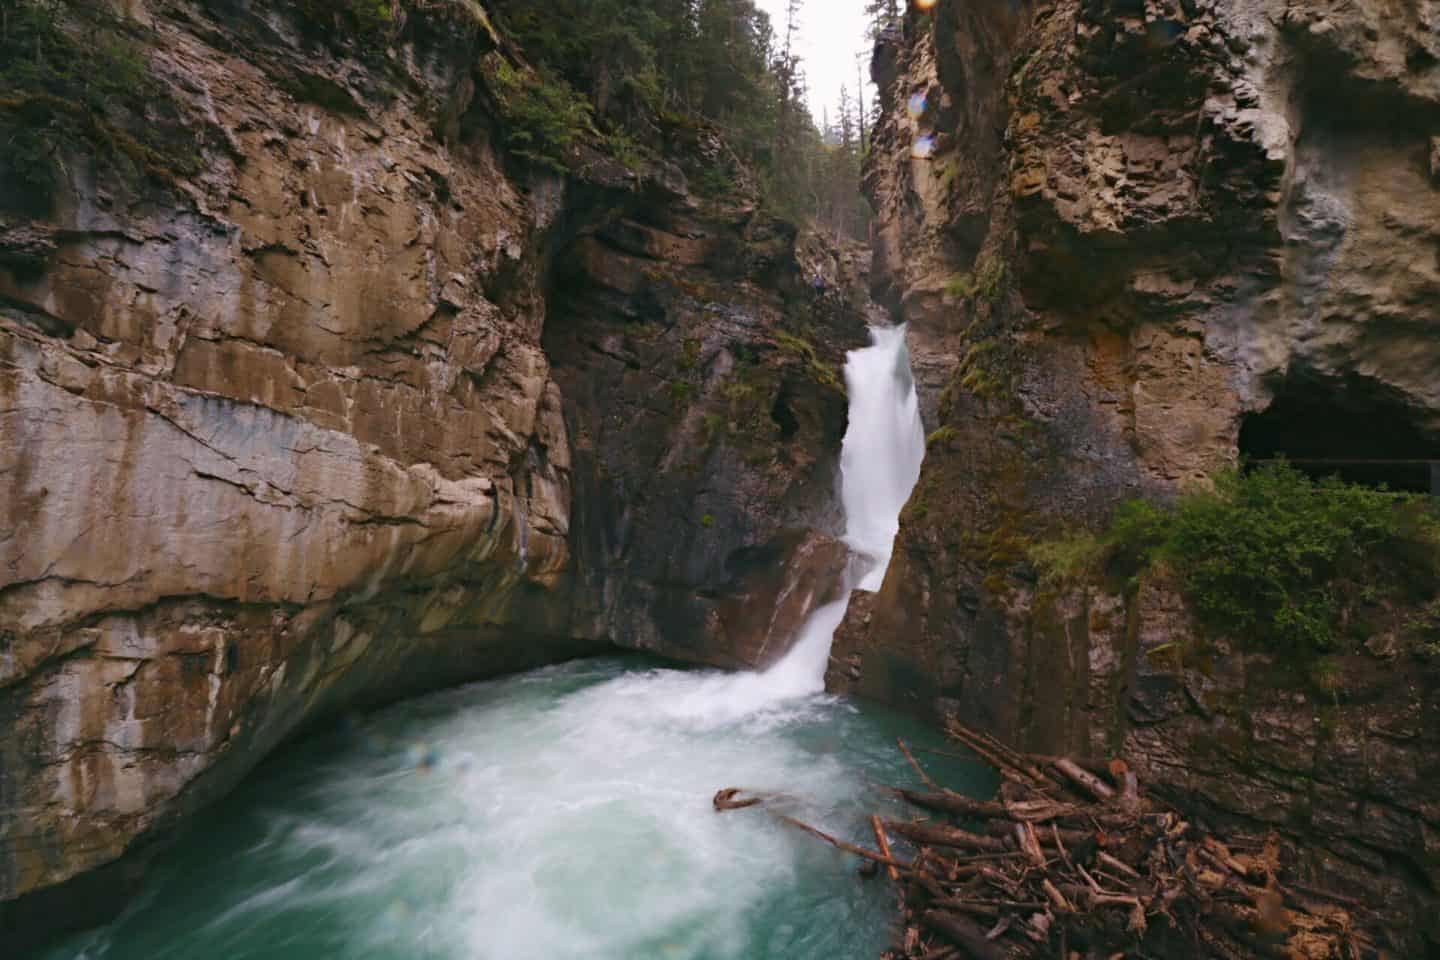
<point x="879" y="464"/>
<point x="566" y="813"/>
<point x="883" y="449"/>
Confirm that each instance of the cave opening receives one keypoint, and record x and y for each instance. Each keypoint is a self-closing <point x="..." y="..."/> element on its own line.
<point x="1350" y="427"/>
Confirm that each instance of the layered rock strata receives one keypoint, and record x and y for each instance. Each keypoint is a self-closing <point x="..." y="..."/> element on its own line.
<point x="279" y="436"/>
<point x="1139" y="240"/>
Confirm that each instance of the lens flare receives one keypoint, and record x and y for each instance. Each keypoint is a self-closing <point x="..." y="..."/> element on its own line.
<point x="915" y="106"/>
<point x="925" y="4"/>
<point x="923" y="147"/>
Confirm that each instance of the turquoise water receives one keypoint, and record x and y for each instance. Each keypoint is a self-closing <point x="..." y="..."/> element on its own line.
<point x="563" y="813"/>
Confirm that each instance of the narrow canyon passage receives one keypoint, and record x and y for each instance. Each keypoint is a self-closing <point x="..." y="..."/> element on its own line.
<point x="566" y="812"/>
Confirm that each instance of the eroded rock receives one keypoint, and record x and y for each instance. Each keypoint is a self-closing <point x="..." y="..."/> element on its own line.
<point x="1141" y="224"/>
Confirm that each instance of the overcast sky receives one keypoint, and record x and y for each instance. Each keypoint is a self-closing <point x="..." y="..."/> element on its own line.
<point x="832" y="34"/>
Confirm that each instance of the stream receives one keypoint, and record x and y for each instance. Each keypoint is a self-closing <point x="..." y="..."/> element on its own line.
<point x="566" y="812"/>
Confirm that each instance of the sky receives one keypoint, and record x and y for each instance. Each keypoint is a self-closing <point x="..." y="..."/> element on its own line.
<point x="831" y="35"/>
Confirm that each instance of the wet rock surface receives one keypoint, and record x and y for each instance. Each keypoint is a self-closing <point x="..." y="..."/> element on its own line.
<point x="282" y="438"/>
<point x="700" y="362"/>
<point x="1135" y="227"/>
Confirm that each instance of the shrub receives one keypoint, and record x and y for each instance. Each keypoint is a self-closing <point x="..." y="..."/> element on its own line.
<point x="546" y="116"/>
<point x="1270" y="556"/>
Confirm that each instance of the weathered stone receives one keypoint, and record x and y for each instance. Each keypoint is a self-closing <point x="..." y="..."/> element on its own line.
<point x="1139" y="222"/>
<point x="281" y="439"/>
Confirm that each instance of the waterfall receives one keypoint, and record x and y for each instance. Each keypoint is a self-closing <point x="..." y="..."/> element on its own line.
<point x="879" y="464"/>
<point x="566" y="813"/>
<point x="883" y="448"/>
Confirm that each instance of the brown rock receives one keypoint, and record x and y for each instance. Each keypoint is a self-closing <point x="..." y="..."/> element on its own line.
<point x="1139" y="230"/>
<point x="282" y="439"/>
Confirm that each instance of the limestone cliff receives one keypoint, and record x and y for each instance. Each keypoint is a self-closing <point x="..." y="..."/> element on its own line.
<point x="1136" y="240"/>
<point x="279" y="435"/>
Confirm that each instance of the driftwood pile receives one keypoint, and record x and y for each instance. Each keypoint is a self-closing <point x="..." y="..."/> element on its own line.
<point x="1072" y="861"/>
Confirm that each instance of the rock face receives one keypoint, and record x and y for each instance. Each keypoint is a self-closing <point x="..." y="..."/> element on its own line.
<point x="1143" y="239"/>
<point x="701" y="374"/>
<point x="281" y="438"/>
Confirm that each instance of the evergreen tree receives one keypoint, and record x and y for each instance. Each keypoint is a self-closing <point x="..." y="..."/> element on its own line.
<point x="630" y="63"/>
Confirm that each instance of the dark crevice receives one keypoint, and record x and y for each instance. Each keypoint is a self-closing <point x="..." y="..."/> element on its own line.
<point x="784" y="416"/>
<point x="1352" y="427"/>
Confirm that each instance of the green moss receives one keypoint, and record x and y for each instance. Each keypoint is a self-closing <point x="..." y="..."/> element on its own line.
<point x="960" y="286"/>
<point x="681" y="392"/>
<point x="369" y="18"/>
<point x="707" y="521"/>
<point x="986" y="283"/>
<point x="989" y="277"/>
<point x="940" y="437"/>
<point x="1073" y="559"/>
<point x="981" y="373"/>
<point x="819" y="372"/>
<point x="689" y="354"/>
<point x="378" y="21"/>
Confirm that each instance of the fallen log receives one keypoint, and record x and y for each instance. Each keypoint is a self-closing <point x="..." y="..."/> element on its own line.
<point x="919" y="770"/>
<point x="727" y="800"/>
<point x="839" y="844"/>
<point x="964" y="934"/>
<point x="947" y="801"/>
<point x="883" y="842"/>
<point x="1067" y="863"/>
<point x="1084" y="779"/>
<point x="942" y="836"/>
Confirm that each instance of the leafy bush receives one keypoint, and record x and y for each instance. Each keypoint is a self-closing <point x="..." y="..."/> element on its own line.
<point x="1270" y="556"/>
<point x="547" y="117"/>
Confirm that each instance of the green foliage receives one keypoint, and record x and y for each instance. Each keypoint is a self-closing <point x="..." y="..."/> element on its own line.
<point x="681" y="391"/>
<point x="689" y="354"/>
<point x="1070" y="560"/>
<point x="989" y="277"/>
<point x="642" y="332"/>
<point x="677" y="69"/>
<point x="714" y="182"/>
<point x="74" y="82"/>
<point x="978" y="373"/>
<point x="546" y="116"/>
<point x="1271" y="557"/>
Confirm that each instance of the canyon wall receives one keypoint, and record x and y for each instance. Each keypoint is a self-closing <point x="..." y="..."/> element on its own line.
<point x="281" y="437"/>
<point x="1134" y="240"/>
